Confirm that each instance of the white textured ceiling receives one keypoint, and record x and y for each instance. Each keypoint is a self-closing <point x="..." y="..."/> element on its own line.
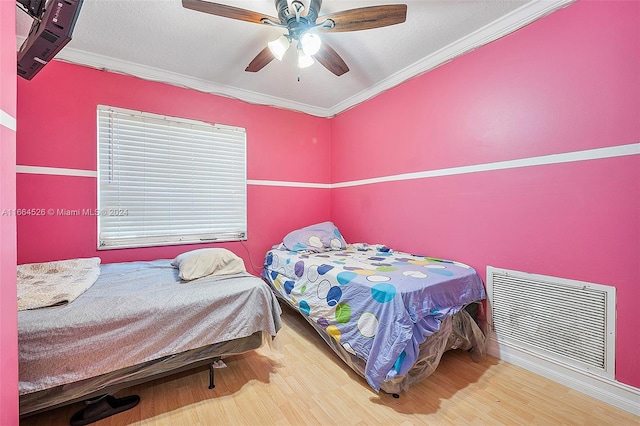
<point x="161" y="40"/>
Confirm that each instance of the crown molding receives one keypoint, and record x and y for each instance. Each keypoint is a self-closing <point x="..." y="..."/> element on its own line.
<point x="491" y="32"/>
<point x="107" y="63"/>
<point x="499" y="28"/>
<point x="110" y="64"/>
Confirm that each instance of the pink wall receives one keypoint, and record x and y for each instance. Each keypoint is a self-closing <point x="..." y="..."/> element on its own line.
<point x="8" y="306"/>
<point x="57" y="128"/>
<point x="568" y="82"/>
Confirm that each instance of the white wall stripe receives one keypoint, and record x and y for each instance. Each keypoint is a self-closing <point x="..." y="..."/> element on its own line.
<point x="589" y="154"/>
<point x="289" y="184"/>
<point x="37" y="170"/>
<point x="7" y="120"/>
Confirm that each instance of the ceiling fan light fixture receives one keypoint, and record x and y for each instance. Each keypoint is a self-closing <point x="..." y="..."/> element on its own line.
<point x="279" y="46"/>
<point x="299" y="17"/>
<point x="310" y="43"/>
<point x="304" y="60"/>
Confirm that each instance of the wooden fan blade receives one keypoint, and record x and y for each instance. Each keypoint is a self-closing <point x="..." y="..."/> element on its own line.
<point x="366" y="18"/>
<point x="330" y="59"/>
<point x="226" y="11"/>
<point x="261" y="60"/>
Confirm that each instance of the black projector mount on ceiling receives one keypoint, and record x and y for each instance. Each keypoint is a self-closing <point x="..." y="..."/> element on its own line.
<point x="53" y="23"/>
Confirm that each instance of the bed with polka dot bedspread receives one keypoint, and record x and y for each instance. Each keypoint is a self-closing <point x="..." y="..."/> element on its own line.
<point x="377" y="303"/>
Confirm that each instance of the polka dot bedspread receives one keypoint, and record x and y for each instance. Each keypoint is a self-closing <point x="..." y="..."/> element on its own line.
<point x="377" y="303"/>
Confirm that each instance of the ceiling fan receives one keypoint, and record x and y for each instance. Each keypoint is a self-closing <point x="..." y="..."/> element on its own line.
<point x="300" y="19"/>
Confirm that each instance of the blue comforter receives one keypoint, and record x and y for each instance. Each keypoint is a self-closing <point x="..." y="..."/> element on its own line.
<point x="379" y="304"/>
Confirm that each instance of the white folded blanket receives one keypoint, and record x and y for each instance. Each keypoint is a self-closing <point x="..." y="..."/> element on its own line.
<point x="55" y="283"/>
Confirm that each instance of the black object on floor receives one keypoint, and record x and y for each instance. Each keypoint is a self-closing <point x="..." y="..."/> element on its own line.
<point x="212" y="384"/>
<point x="103" y="407"/>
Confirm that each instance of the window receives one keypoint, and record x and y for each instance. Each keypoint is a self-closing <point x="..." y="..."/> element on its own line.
<point x="166" y="180"/>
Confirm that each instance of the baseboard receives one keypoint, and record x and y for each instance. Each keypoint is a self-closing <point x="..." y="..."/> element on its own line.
<point x="618" y="394"/>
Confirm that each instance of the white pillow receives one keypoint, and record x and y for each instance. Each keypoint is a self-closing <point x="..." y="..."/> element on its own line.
<point x="209" y="261"/>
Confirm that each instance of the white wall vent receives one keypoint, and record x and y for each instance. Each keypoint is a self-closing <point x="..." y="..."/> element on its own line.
<point x="565" y="321"/>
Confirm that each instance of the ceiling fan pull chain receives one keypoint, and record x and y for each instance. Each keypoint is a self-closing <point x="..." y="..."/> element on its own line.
<point x="298" y="7"/>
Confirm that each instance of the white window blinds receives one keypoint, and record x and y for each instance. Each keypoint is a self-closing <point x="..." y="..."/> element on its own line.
<point x="166" y="180"/>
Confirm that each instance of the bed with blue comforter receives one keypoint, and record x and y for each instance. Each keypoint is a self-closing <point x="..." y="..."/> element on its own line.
<point x="385" y="312"/>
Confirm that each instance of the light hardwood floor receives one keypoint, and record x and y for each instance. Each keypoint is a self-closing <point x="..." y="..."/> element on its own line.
<point x="304" y="383"/>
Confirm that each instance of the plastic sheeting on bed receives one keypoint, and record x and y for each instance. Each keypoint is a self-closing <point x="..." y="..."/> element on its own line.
<point x="459" y="331"/>
<point x="378" y="304"/>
